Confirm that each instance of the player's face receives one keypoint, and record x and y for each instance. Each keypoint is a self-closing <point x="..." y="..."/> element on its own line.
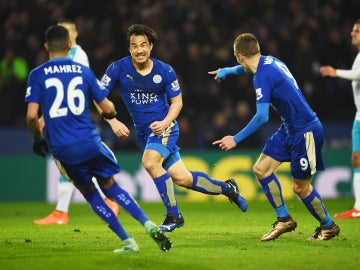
<point x="140" y="49"/>
<point x="355" y="36"/>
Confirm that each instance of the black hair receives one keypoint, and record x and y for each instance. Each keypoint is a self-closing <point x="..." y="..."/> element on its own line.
<point x="141" y="30"/>
<point x="57" y="38"/>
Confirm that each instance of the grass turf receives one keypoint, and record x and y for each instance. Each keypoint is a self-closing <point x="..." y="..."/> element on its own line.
<point x="216" y="235"/>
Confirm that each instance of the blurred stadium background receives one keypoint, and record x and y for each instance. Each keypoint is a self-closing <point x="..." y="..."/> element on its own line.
<point x="195" y="36"/>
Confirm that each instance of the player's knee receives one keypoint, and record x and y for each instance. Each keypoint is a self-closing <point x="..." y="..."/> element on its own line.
<point x="258" y="171"/>
<point x="85" y="189"/>
<point x="149" y="164"/>
<point x="302" y="190"/>
<point x="105" y="183"/>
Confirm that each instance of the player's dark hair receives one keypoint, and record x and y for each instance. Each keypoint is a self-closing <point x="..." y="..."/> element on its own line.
<point x="57" y="38"/>
<point x="141" y="30"/>
<point x="357" y="21"/>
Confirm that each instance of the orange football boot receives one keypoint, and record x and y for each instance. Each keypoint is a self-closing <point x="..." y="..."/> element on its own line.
<point x="352" y="213"/>
<point x="54" y="218"/>
<point x="113" y="205"/>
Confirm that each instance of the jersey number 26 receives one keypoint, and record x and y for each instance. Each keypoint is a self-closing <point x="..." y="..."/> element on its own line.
<point x="73" y="93"/>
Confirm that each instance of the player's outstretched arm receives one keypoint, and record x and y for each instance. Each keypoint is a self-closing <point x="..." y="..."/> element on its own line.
<point x="222" y="73"/>
<point x="327" y="71"/>
<point x="226" y="143"/>
<point x="348" y="74"/>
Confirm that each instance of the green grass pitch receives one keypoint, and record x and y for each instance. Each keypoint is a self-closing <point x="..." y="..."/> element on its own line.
<point x="216" y="236"/>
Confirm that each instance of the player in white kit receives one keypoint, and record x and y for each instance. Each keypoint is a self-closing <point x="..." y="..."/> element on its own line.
<point x="352" y="74"/>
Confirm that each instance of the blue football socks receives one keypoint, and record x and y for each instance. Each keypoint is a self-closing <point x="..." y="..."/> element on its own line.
<point x="315" y="205"/>
<point x="165" y="187"/>
<point x="273" y="192"/>
<point x="101" y="209"/>
<point x="126" y="201"/>
<point x="205" y="184"/>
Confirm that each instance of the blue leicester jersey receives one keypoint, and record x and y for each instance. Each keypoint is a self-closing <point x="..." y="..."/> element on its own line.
<point x="274" y="84"/>
<point x="146" y="97"/>
<point x="64" y="89"/>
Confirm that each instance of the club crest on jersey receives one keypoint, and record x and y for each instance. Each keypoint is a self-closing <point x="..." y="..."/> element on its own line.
<point x="259" y="94"/>
<point x="157" y="78"/>
<point x="175" y="85"/>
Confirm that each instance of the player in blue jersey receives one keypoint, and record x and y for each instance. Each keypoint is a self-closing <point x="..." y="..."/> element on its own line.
<point x="63" y="90"/>
<point x="66" y="189"/>
<point x="298" y="140"/>
<point x="146" y="85"/>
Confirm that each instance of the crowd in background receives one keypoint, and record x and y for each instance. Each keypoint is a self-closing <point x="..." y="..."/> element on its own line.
<point x="196" y="36"/>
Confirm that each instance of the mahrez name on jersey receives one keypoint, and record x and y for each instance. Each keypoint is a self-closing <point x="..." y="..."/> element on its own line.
<point x="62" y="69"/>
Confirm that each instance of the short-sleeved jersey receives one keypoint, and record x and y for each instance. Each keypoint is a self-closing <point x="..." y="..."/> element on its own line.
<point x="146" y="97"/>
<point x="64" y="89"/>
<point x="274" y="84"/>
